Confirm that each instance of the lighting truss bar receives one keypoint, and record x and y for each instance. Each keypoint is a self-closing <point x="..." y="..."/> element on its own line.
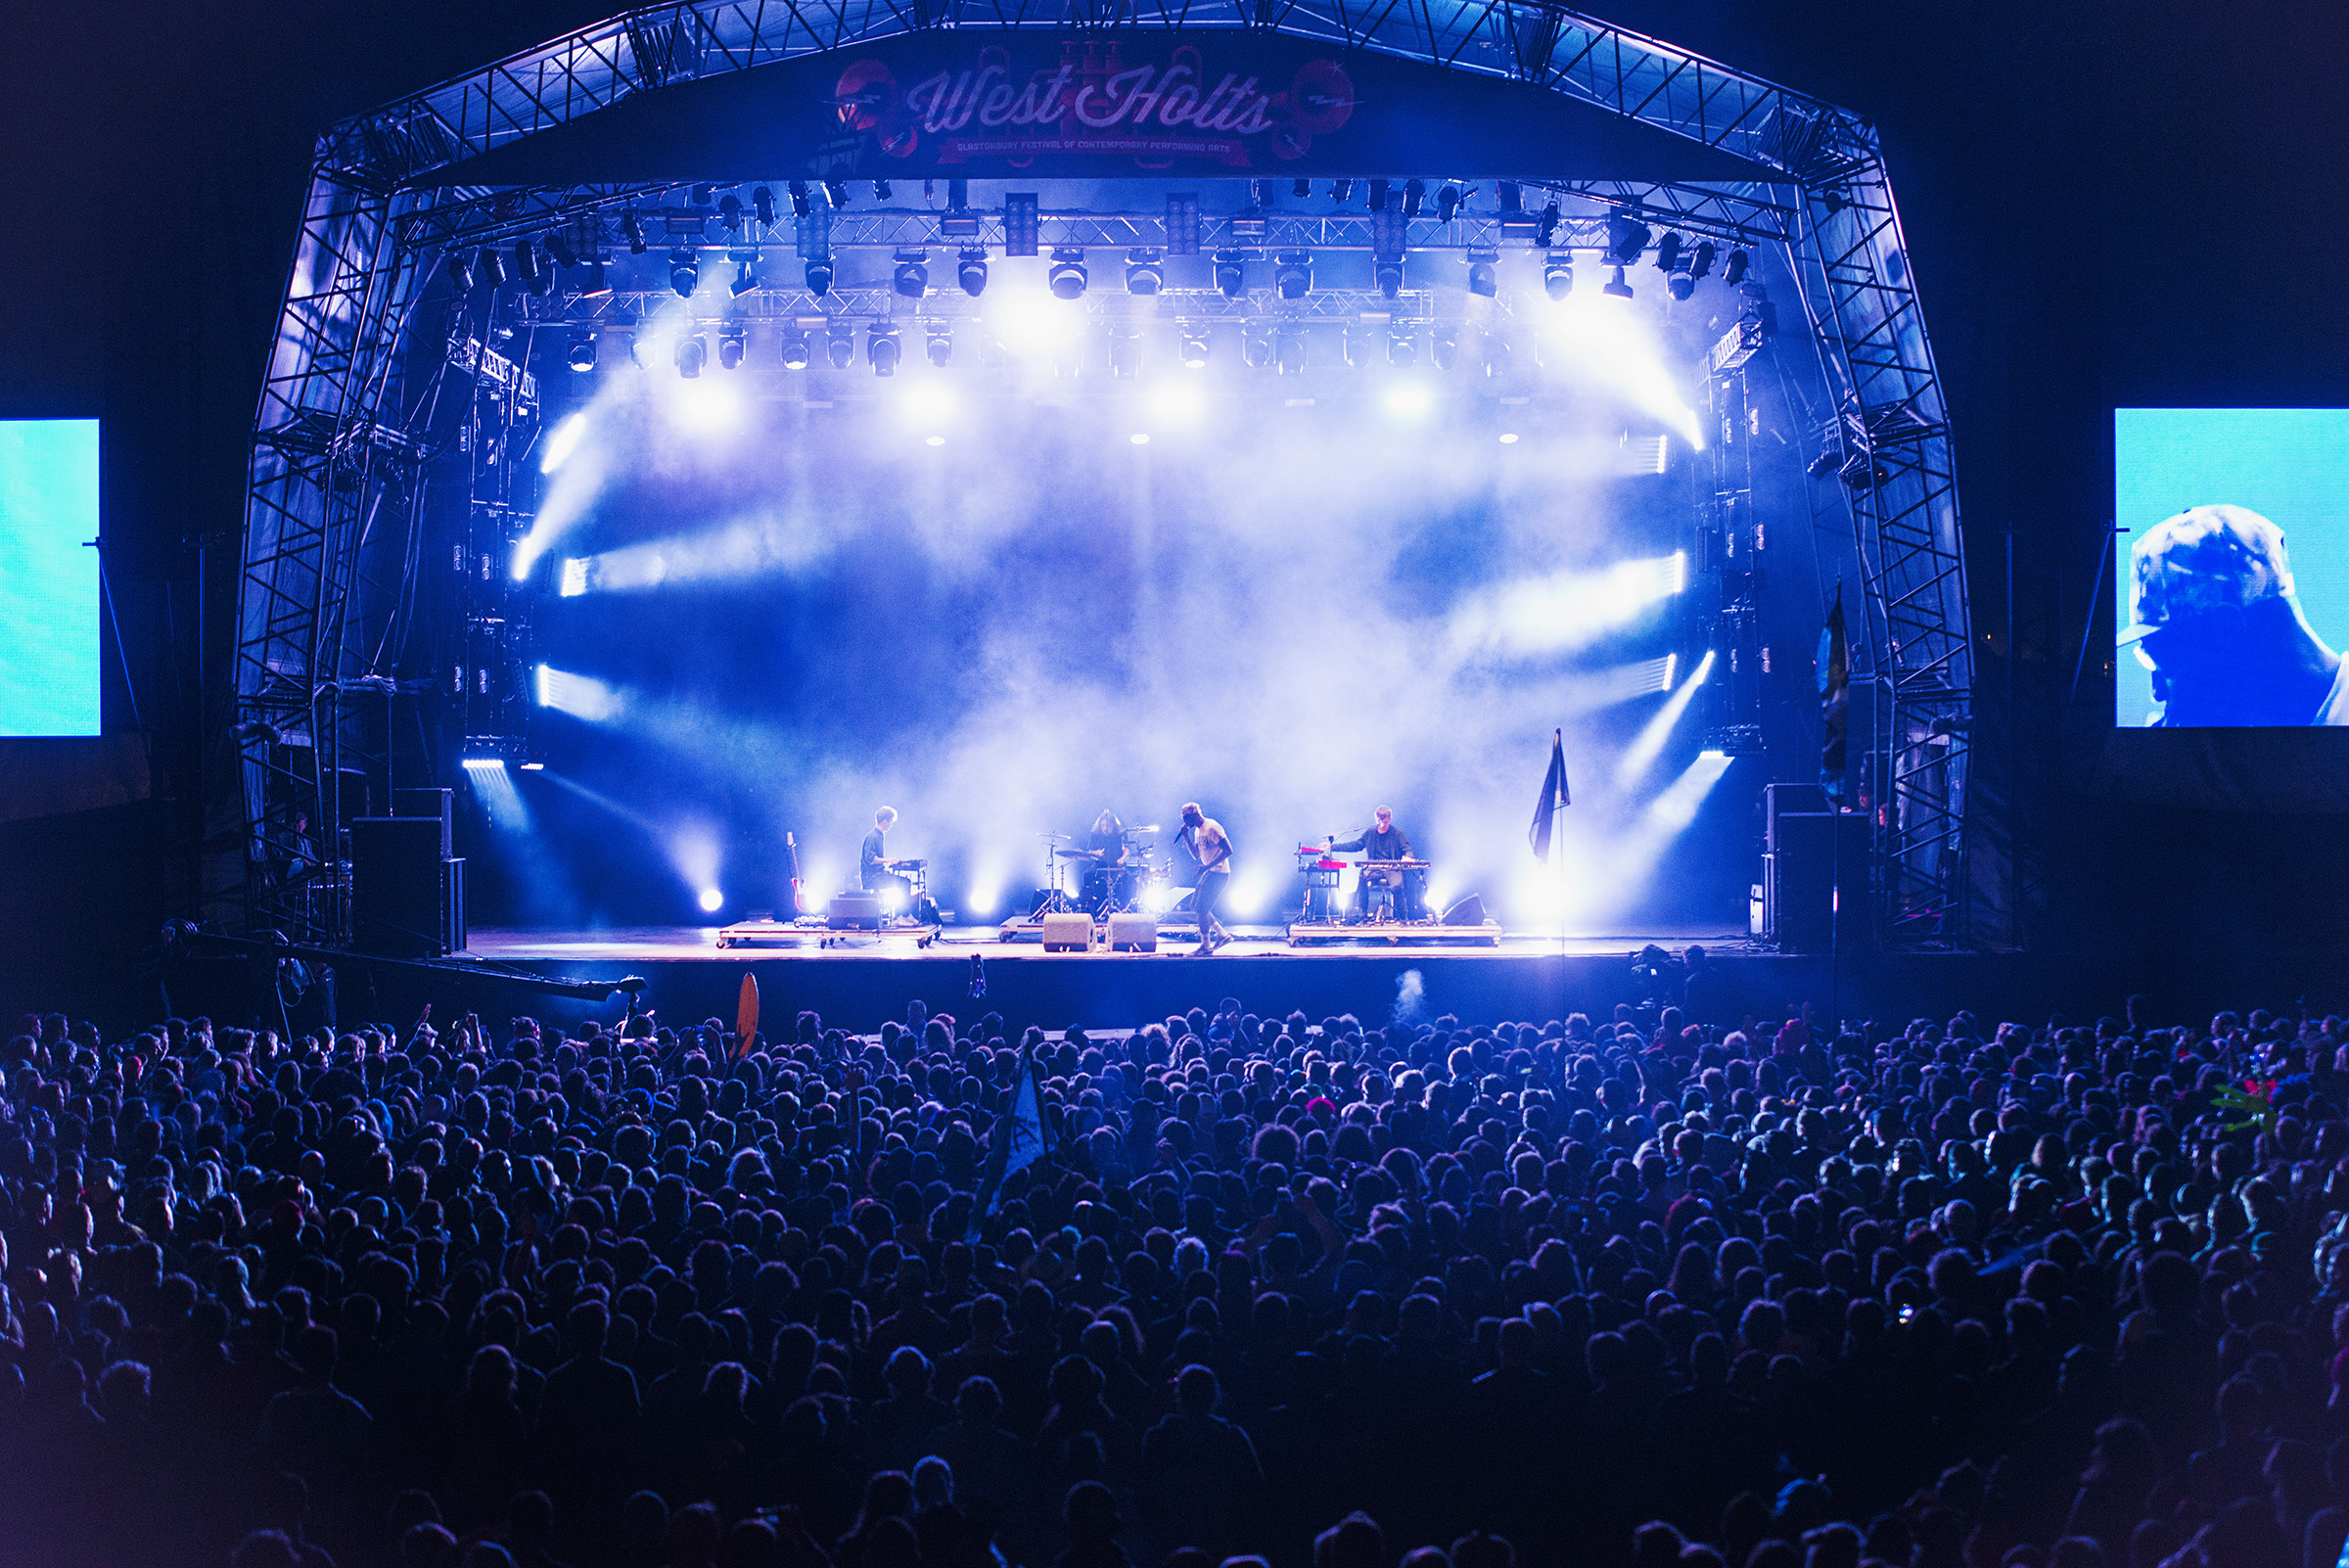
<point x="788" y="306"/>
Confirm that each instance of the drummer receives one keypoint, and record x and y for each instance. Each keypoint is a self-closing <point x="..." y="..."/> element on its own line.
<point x="1105" y="846"/>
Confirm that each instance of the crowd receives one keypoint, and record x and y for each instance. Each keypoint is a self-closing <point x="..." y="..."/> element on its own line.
<point x="1411" y="1294"/>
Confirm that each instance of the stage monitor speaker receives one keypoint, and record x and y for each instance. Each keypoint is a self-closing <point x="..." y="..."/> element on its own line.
<point x="404" y="900"/>
<point x="1817" y="853"/>
<point x="1068" y="933"/>
<point x="1469" y="911"/>
<point x="1780" y="800"/>
<point x="854" y="912"/>
<point x="1133" y="932"/>
<point x="429" y="802"/>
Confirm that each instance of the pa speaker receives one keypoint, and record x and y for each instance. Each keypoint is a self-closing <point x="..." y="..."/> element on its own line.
<point x="1469" y="911"/>
<point x="1068" y="933"/>
<point x="405" y="900"/>
<point x="1820" y="861"/>
<point x="1134" y="933"/>
<point x="854" y="912"/>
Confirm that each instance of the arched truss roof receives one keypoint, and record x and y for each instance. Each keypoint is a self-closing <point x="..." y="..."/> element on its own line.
<point x="322" y="448"/>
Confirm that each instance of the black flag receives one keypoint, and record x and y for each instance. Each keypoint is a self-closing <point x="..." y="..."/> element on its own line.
<point x="1834" y="699"/>
<point x="1554" y="795"/>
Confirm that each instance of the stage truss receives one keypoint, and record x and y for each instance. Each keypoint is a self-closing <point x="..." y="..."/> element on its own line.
<point x="337" y="439"/>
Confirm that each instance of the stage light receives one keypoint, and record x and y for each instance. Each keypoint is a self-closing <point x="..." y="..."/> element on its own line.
<point x="1292" y="273"/>
<point x="819" y="276"/>
<point x="837" y="193"/>
<point x="801" y="206"/>
<point x="1145" y="273"/>
<point x="730" y="212"/>
<point x="1483" y="275"/>
<point x="1668" y="253"/>
<point x="730" y="344"/>
<point x="1558" y="274"/>
<point x="580" y="696"/>
<point x="1408" y="400"/>
<point x="634" y="227"/>
<point x="1289" y="352"/>
<point x="460" y="273"/>
<point x="1615" y="288"/>
<point x="912" y="279"/>
<point x="1387" y="270"/>
<point x="1021" y="222"/>
<point x="1125" y="354"/>
<point x="762" y="205"/>
<point x="562" y="441"/>
<point x="597" y="283"/>
<point x="1497" y="356"/>
<point x="746" y="273"/>
<point x="582" y="350"/>
<point x="1700" y="261"/>
<point x="882" y="350"/>
<point x="1341" y="191"/>
<point x="881" y="191"/>
<point x="1681" y="282"/>
<point x="1509" y="437"/>
<point x="1626" y="237"/>
<point x="558" y="244"/>
<point x="572" y="583"/>
<point x="1448" y="203"/>
<point x="1256" y="346"/>
<point x="1139" y="437"/>
<point x="489" y="266"/>
<point x="533" y="768"/>
<point x="692" y="354"/>
<point x="1447" y="346"/>
<point x="1733" y="272"/>
<point x="713" y="900"/>
<point x="795" y="350"/>
<point x="1648" y="744"/>
<point x="940" y="344"/>
<point x="484" y="764"/>
<point x="840" y="348"/>
<point x="1378" y="196"/>
<point x="1414" y="197"/>
<point x="640" y="350"/>
<point x="970" y="270"/>
<point x="684" y="272"/>
<point x="1564" y="610"/>
<point x="1194" y="347"/>
<point x="1403" y="348"/>
<point x="1672" y="811"/>
<point x="1230" y="274"/>
<point x="1546" y="231"/>
<point x="934" y="440"/>
<point x="1352" y="346"/>
<point x="1066" y="279"/>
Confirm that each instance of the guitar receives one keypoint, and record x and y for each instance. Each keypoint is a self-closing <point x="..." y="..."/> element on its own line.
<point x="797" y="905"/>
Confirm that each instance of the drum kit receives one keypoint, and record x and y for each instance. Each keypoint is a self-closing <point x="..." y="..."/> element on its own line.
<point x="1104" y="888"/>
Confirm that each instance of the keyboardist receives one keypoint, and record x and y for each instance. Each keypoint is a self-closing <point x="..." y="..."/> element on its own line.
<point x="1393" y="892"/>
<point x="873" y="873"/>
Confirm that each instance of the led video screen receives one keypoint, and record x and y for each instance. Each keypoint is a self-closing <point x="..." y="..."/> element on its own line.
<point x="48" y="577"/>
<point x="2232" y="557"/>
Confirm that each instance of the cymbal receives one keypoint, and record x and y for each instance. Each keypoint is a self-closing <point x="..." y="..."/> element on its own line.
<point x="1078" y="855"/>
<point x="1056" y="836"/>
<point x="1151" y="827"/>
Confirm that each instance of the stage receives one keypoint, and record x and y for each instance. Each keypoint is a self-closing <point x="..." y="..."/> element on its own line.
<point x="862" y="977"/>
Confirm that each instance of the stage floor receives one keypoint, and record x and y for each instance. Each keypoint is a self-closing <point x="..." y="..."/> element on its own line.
<point x="686" y="943"/>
